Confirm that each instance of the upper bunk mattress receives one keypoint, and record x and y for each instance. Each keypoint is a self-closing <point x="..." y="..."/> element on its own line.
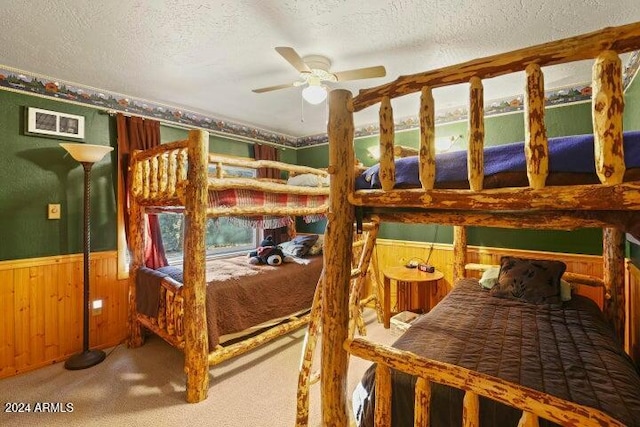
<point x="568" y="351"/>
<point x="571" y="162"/>
<point x="233" y="201"/>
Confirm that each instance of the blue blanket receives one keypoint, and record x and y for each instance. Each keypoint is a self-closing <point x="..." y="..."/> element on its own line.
<point x="572" y="154"/>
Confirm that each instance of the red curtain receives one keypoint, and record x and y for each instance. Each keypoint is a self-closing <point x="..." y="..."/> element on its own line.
<point x="135" y="133"/>
<point x="266" y="152"/>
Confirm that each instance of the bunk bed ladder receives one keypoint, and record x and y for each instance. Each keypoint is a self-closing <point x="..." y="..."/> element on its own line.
<point x="364" y="245"/>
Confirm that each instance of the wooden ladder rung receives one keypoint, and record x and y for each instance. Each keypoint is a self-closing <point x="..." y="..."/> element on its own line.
<point x="367" y="300"/>
<point x="358" y="243"/>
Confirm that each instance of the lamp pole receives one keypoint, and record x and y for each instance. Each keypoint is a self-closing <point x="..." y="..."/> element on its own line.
<point x="87" y="155"/>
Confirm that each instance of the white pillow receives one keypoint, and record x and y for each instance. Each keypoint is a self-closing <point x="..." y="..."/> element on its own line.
<point x="490" y="277"/>
<point x="565" y="290"/>
<point x="309" y="180"/>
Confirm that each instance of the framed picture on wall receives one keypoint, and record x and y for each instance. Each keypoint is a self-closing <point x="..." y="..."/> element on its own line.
<point x="54" y="124"/>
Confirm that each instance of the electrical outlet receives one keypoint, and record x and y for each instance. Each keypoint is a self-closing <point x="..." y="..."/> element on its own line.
<point x="53" y="211"/>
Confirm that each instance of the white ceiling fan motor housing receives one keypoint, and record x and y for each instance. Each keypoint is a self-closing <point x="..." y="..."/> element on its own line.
<point x="319" y="67"/>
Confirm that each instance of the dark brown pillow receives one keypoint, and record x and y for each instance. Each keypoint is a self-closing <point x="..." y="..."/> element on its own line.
<point x="529" y="280"/>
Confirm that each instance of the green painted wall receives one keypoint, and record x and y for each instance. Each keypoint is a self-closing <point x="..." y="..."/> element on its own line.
<point x="222" y="145"/>
<point x="560" y="121"/>
<point x="35" y="171"/>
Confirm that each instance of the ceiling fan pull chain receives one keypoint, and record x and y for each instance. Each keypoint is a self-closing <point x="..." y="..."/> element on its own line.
<point x="326" y="110"/>
<point x="301" y="110"/>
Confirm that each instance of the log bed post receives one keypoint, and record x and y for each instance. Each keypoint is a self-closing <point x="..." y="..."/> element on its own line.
<point x="535" y="134"/>
<point x="196" y="350"/>
<point x="613" y="266"/>
<point x="136" y="243"/>
<point x="337" y="261"/>
<point x="387" y="169"/>
<point x="608" y="105"/>
<point x="427" y="140"/>
<point x="459" y="252"/>
<point x="475" y="154"/>
<point x="422" y="402"/>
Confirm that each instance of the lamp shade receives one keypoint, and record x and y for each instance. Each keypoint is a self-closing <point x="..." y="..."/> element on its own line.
<point x="87" y="153"/>
<point x="314" y="94"/>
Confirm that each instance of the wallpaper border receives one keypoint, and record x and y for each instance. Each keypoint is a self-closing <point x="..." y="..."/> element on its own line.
<point x="38" y="85"/>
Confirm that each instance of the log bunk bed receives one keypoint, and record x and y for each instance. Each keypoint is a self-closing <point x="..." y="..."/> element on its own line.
<point x="183" y="177"/>
<point x="612" y="204"/>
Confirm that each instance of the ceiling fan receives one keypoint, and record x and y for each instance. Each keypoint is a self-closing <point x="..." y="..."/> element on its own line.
<point x="314" y="73"/>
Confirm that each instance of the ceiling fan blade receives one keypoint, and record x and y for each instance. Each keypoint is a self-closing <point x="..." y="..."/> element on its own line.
<point x="293" y="58"/>
<point x="361" y="73"/>
<point x="270" y="88"/>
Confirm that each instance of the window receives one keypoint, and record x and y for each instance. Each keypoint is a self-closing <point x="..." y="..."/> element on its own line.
<point x="223" y="236"/>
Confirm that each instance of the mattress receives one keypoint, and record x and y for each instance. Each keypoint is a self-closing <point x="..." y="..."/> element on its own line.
<point x="569" y="352"/>
<point x="234" y="200"/>
<point x="571" y="162"/>
<point x="240" y="295"/>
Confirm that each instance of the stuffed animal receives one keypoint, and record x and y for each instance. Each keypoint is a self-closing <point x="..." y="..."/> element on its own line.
<point x="267" y="253"/>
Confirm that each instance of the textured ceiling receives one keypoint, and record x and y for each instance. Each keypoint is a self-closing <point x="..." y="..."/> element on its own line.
<point x="206" y="56"/>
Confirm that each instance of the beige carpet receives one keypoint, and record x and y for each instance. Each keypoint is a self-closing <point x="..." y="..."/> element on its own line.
<point x="145" y="387"/>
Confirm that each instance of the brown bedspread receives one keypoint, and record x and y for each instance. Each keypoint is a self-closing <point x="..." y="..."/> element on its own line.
<point x="238" y="303"/>
<point x="568" y="352"/>
<point x="240" y="295"/>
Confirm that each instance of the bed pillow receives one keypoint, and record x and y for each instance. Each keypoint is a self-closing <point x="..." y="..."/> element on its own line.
<point x="309" y="180"/>
<point x="299" y="246"/>
<point x="529" y="280"/>
<point x="316" y="249"/>
<point x="490" y="277"/>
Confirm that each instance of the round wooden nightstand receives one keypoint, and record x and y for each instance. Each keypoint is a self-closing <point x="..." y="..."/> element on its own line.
<point x="409" y="275"/>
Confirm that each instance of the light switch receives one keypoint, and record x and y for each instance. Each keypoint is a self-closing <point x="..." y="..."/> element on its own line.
<point x="53" y="212"/>
<point x="96" y="307"/>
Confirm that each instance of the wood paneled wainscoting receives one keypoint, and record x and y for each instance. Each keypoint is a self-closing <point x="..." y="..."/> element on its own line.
<point x="633" y="312"/>
<point x="41" y="309"/>
<point x="395" y="252"/>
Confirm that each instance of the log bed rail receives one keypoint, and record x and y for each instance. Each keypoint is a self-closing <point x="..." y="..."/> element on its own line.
<point x="608" y="103"/>
<point x="533" y="404"/>
<point x="160" y="178"/>
<point x="567" y="207"/>
<point x="169" y="325"/>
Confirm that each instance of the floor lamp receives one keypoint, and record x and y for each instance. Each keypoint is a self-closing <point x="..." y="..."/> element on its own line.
<point x="87" y="155"/>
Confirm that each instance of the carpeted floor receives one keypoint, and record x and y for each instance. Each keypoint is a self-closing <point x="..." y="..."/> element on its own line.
<point x="145" y="387"/>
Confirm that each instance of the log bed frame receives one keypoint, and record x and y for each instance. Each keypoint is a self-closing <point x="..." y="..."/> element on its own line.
<point x="582" y="206"/>
<point x="174" y="175"/>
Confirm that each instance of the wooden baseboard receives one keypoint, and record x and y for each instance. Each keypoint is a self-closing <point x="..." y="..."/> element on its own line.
<point x="6" y="373"/>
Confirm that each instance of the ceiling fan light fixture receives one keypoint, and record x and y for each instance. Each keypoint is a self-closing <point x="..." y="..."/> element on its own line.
<point x="314" y="94"/>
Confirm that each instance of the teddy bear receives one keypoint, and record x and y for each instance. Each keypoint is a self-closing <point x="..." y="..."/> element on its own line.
<point x="267" y="253"/>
